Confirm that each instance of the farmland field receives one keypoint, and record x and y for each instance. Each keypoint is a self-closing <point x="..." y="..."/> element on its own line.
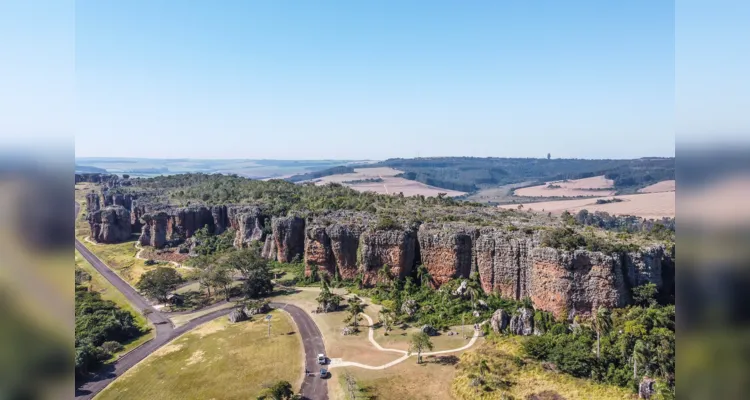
<point x="580" y="187"/>
<point x="384" y="180"/>
<point x="646" y="205"/>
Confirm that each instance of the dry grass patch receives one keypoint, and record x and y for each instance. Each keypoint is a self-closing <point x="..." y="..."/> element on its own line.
<point x="663" y="186"/>
<point x="407" y="380"/>
<point x="593" y="186"/>
<point x="647" y="205"/>
<point x="509" y="375"/>
<point x="221" y="361"/>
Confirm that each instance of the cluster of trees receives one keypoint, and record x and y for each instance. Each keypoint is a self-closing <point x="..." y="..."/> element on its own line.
<point x="617" y="347"/>
<point x="280" y="390"/>
<point x="567" y="238"/>
<point x="661" y="229"/>
<point x="321" y="173"/>
<point x="101" y="329"/>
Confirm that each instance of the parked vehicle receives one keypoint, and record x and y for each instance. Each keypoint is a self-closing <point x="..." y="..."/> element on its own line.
<point x="322" y="359"/>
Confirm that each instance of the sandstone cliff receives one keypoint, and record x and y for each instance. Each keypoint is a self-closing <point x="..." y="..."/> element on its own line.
<point x="318" y="251"/>
<point x="289" y="235"/>
<point x="446" y="252"/>
<point x="154" y="230"/>
<point x="248" y="223"/>
<point x="397" y="248"/>
<point x="110" y="224"/>
<point x="92" y="202"/>
<point x="344" y="239"/>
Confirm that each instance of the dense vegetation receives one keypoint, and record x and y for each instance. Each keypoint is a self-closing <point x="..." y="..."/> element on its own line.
<point x="627" y="344"/>
<point x="101" y="329"/>
<point x="469" y="173"/>
<point x="662" y="229"/>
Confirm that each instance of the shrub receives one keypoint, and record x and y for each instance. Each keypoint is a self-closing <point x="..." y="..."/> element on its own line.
<point x="538" y="347"/>
<point x="112" y="347"/>
<point x="386" y="223"/>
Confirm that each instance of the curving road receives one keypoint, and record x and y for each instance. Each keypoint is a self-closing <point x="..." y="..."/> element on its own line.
<point x="313" y="388"/>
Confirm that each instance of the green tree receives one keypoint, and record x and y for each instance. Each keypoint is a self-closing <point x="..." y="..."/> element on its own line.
<point x="420" y="341"/>
<point x="640" y="356"/>
<point x="645" y="295"/>
<point x="602" y="324"/>
<point x="483" y="368"/>
<point x="158" y="283"/>
<point x="254" y="269"/>
<point x="281" y="390"/>
<point x="355" y="308"/>
<point x="423" y="275"/>
<point x="387" y="319"/>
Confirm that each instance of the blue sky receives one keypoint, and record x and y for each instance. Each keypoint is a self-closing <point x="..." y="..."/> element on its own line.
<point x="351" y="79"/>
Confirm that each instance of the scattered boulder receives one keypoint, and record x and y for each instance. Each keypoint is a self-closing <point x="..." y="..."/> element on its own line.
<point x="429" y="330"/>
<point x="500" y="321"/>
<point x="475" y="314"/>
<point x="523" y="322"/>
<point x="256" y="308"/>
<point x="237" y="315"/>
<point x="646" y="388"/>
<point x="482" y="304"/>
<point x="461" y="289"/>
<point x="409" y="307"/>
<point x="347" y="331"/>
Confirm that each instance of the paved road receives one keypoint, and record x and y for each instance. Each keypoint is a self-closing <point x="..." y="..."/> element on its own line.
<point x="313" y="388"/>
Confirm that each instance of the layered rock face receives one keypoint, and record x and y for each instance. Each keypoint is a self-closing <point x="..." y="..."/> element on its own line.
<point x="344" y="247"/>
<point x="503" y="262"/>
<point x="396" y="248"/>
<point x="110" y="224"/>
<point x="289" y="235"/>
<point x="136" y="212"/>
<point x="318" y="251"/>
<point x="92" y="202"/>
<point x="578" y="282"/>
<point x="269" y="249"/>
<point x="446" y="253"/>
<point x="185" y="221"/>
<point x="154" y="230"/>
<point x="248" y="223"/>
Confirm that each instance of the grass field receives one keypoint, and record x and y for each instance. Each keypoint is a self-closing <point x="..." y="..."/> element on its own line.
<point x="218" y="360"/>
<point x="647" y="205"/>
<point x="100" y="284"/>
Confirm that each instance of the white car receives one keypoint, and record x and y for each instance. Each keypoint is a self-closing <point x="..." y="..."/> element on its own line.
<point x="322" y="359"/>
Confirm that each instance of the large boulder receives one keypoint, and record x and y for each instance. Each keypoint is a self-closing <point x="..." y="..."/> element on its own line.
<point x="237" y="315"/>
<point x="646" y="388"/>
<point x="409" y="307"/>
<point x="429" y="330"/>
<point x="500" y="321"/>
<point x="522" y="323"/>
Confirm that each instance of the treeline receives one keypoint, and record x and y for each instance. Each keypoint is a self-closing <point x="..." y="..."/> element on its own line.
<point x="470" y="174"/>
<point x="321" y="173"/>
<point x="659" y="228"/>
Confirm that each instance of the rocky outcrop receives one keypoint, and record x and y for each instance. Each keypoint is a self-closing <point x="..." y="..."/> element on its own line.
<point x="220" y="219"/>
<point x="185" y="221"/>
<point x="137" y="211"/>
<point x="155" y="229"/>
<point x="318" y="251"/>
<point x="646" y="388"/>
<point x="289" y="235"/>
<point x="503" y="263"/>
<point x="110" y="224"/>
<point x="344" y="240"/>
<point x="395" y="247"/>
<point x="445" y="252"/>
<point x="578" y="282"/>
<point x="92" y="202"/>
<point x="248" y="223"/>
<point x="269" y="249"/>
<point x="522" y="322"/>
<point x="500" y="321"/>
<point x="645" y="266"/>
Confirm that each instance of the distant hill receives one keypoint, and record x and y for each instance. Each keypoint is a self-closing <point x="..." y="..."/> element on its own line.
<point x="470" y="174"/>
<point x="86" y="169"/>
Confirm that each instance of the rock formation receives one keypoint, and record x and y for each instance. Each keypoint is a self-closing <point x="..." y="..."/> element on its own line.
<point x="154" y="230"/>
<point x="289" y="235"/>
<point x="344" y="240"/>
<point x="92" y="202"/>
<point x="446" y="253"/>
<point x="269" y="249"/>
<point x="500" y="320"/>
<point x="110" y="224"/>
<point x="568" y="283"/>
<point x="522" y="322"/>
<point x="318" y="251"/>
<point x="396" y="247"/>
<point x="248" y="223"/>
<point x="503" y="262"/>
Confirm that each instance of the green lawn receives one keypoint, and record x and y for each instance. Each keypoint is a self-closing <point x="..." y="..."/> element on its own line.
<point x="217" y="360"/>
<point x="108" y="292"/>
